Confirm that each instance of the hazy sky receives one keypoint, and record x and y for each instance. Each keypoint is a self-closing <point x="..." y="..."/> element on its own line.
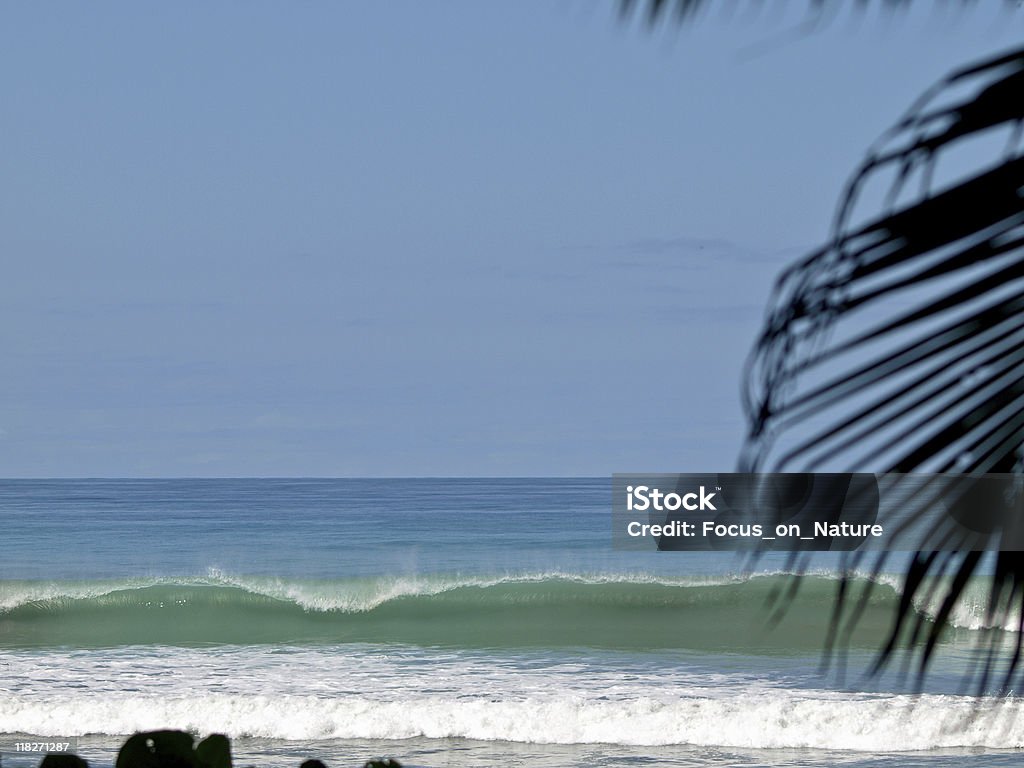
<point x="448" y="238"/>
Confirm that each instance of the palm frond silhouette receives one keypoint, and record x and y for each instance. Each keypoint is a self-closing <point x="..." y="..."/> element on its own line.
<point x="898" y="347"/>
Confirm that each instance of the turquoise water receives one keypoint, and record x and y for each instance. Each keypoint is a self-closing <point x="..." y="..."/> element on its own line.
<point x="447" y="622"/>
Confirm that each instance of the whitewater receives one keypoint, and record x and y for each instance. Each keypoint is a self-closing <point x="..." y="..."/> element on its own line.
<point x="493" y="624"/>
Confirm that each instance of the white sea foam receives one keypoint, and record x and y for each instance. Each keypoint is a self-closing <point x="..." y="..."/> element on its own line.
<point x="361" y="595"/>
<point x="352" y="595"/>
<point x="374" y="693"/>
<point x="780" y="720"/>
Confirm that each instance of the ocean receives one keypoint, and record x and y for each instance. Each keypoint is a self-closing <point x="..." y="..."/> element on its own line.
<point x="442" y="622"/>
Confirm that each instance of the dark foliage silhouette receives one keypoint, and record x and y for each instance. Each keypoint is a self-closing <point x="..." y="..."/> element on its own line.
<point x="818" y="11"/>
<point x="177" y="749"/>
<point x="898" y="347"/>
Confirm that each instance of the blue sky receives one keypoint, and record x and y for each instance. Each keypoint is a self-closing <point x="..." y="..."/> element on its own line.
<point x="453" y="238"/>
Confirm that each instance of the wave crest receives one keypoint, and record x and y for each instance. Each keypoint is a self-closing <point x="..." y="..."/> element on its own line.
<point x="765" y="721"/>
<point x="531" y="609"/>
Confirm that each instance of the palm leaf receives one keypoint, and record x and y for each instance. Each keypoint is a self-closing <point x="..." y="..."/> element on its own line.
<point x="898" y="347"/>
<point x="654" y="11"/>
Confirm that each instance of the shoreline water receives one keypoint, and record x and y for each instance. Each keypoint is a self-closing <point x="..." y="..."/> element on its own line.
<point x="493" y="624"/>
<point x="101" y="752"/>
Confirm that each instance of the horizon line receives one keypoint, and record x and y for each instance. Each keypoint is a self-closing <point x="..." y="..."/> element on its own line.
<point x="307" y="477"/>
